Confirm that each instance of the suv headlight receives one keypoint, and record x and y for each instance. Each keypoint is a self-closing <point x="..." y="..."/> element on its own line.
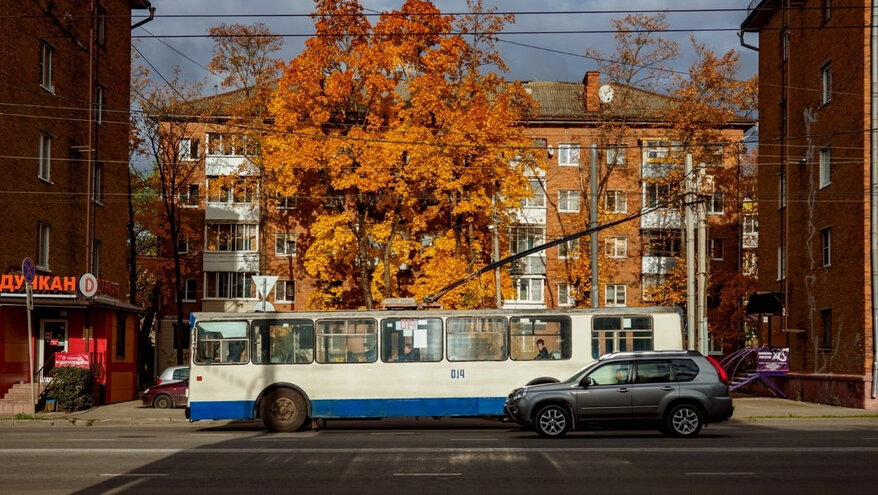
<point x="519" y="394"/>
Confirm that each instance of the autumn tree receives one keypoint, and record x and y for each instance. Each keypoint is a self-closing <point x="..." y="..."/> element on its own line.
<point x="165" y="121"/>
<point x="391" y="135"/>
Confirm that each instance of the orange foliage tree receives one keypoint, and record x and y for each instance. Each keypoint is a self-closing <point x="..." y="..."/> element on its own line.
<point x="391" y="135"/>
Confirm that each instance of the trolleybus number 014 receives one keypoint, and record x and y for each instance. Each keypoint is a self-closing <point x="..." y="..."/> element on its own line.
<point x="457" y="374"/>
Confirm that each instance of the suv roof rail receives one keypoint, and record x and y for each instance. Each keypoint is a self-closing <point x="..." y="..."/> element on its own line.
<point x="632" y="354"/>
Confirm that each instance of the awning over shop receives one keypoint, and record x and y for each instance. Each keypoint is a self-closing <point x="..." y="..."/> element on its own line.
<point x="764" y="303"/>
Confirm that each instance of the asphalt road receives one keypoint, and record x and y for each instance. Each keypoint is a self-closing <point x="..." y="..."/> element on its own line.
<point x="456" y="457"/>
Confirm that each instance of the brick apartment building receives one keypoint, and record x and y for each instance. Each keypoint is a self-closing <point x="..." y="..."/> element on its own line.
<point x="226" y="246"/>
<point x="65" y="71"/>
<point x="817" y="195"/>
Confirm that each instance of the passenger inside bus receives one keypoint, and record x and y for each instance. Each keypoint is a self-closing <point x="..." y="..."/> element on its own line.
<point x="543" y="352"/>
<point x="409" y="354"/>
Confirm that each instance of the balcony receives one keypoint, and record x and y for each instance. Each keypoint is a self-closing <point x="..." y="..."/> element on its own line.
<point x="658" y="265"/>
<point x="665" y="218"/>
<point x="530" y="215"/>
<point x="219" y="165"/>
<point x="751" y="241"/>
<point x="232" y="212"/>
<point x="231" y="261"/>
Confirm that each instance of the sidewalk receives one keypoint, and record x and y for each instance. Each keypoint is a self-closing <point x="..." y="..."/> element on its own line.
<point x="133" y="413"/>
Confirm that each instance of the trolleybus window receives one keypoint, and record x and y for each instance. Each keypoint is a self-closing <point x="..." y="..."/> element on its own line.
<point x="620" y="334"/>
<point x="411" y="339"/>
<point x="221" y="342"/>
<point x="553" y="332"/>
<point x="283" y="341"/>
<point x="347" y="341"/>
<point x="472" y="338"/>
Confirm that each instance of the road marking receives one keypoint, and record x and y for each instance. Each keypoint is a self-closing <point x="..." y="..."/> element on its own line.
<point x="204" y="434"/>
<point x="89" y="439"/>
<point x="134" y="475"/>
<point x="274" y="439"/>
<point x="393" y="433"/>
<point x="428" y="474"/>
<point x="721" y="474"/>
<point x="474" y="439"/>
<point x="28" y="434"/>
<point x="440" y="450"/>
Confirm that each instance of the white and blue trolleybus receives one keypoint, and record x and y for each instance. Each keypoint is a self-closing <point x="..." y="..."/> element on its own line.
<point x="289" y="368"/>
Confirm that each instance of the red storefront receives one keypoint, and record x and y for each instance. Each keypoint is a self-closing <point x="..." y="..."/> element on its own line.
<point x="63" y="320"/>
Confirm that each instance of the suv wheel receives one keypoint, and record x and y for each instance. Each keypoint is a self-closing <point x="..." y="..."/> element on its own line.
<point x="552" y="421"/>
<point x="684" y="420"/>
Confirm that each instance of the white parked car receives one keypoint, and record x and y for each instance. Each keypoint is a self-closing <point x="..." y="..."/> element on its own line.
<point x="173" y="374"/>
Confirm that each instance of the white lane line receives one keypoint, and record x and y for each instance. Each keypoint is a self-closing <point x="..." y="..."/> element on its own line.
<point x="212" y="434"/>
<point x="428" y="474"/>
<point x="274" y="439"/>
<point x="393" y="433"/>
<point x="474" y="439"/>
<point x="89" y="439"/>
<point x="28" y="434"/>
<point x="721" y="474"/>
<point x="133" y="475"/>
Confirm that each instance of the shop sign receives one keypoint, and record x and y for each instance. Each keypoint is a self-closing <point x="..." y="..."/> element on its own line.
<point x="56" y="284"/>
<point x="75" y="359"/>
<point x="773" y="360"/>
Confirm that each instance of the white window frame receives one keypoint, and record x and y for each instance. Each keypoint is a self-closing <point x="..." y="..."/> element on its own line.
<point x="184" y="149"/>
<point x="620" y="198"/>
<point x="244" y="234"/>
<point x="781" y="263"/>
<point x="99" y="104"/>
<point x="190" y="286"/>
<point x="649" y="283"/>
<point x="616" y="247"/>
<point x="46" y="52"/>
<point x="564" y="297"/>
<point x="529" y="290"/>
<point x="565" y="248"/>
<point x="751" y="223"/>
<point x="538" y="199"/>
<point x="568" y="200"/>
<point x="715" y="203"/>
<point x="44" y="170"/>
<point x="233" y="283"/>
<point x="285" y="240"/>
<point x="190" y="198"/>
<point x="616" y="155"/>
<point x="824" y="167"/>
<point x="826" y="246"/>
<point x="282" y="291"/>
<point x="44" y="235"/>
<point x="826" y="83"/>
<point x="615" y="295"/>
<point x="98" y="183"/>
<point x="569" y="154"/>
<point x="286" y="202"/>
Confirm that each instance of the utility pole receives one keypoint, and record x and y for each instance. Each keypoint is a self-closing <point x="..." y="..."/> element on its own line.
<point x="689" y="236"/>
<point x="701" y="310"/>
<point x="593" y="223"/>
<point x="495" y="255"/>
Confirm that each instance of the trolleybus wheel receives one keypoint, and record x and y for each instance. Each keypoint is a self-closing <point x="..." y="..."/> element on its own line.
<point x="284" y="410"/>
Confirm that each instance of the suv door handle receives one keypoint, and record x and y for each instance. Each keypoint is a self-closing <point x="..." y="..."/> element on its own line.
<point x="667" y="388"/>
<point x="622" y="390"/>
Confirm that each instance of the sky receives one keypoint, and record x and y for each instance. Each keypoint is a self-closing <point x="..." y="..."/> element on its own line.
<point x="176" y="36"/>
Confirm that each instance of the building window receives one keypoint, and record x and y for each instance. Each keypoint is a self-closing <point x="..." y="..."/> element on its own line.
<point x="657" y="195"/>
<point x="751" y="224"/>
<point x="715" y="203"/>
<point x="824" y="167"/>
<point x="121" y="335"/>
<point x="231" y="144"/>
<point x="657" y="150"/>
<point x="190" y="286"/>
<point x="285" y="291"/>
<point x="98" y="183"/>
<point x="284" y="244"/>
<point x="285" y="202"/>
<point x="569" y="249"/>
<point x="101" y="27"/>
<point x="538" y="199"/>
<point x="529" y="289"/>
<point x="189" y="199"/>
<point x="229" y="285"/>
<point x="565" y="296"/>
<point x="784" y="43"/>
<point x="231" y="237"/>
<point x="238" y="191"/>
<point x="46" y="51"/>
<point x="99" y="104"/>
<point x="826" y="245"/>
<point x="45" y="170"/>
<point x="568" y="201"/>
<point x="615" y="295"/>
<point x="782" y="189"/>
<point x="781" y="263"/>
<point x="616" y="155"/>
<point x="616" y="247"/>
<point x="617" y="202"/>
<point x="826" y="320"/>
<point x="188" y="149"/>
<point x="183" y="244"/>
<point x="96" y="258"/>
<point x="43" y="233"/>
<point x="568" y="154"/>
<point x="825" y="83"/>
<point x="661" y="243"/>
<point x="716" y="248"/>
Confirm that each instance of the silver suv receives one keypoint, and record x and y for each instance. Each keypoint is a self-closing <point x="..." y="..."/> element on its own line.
<point x="678" y="391"/>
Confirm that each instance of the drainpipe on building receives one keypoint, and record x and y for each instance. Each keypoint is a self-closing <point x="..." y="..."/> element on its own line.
<point x="144" y="21"/>
<point x="873" y="193"/>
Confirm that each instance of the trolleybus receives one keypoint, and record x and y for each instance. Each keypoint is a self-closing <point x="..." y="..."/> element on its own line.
<point x="288" y="367"/>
